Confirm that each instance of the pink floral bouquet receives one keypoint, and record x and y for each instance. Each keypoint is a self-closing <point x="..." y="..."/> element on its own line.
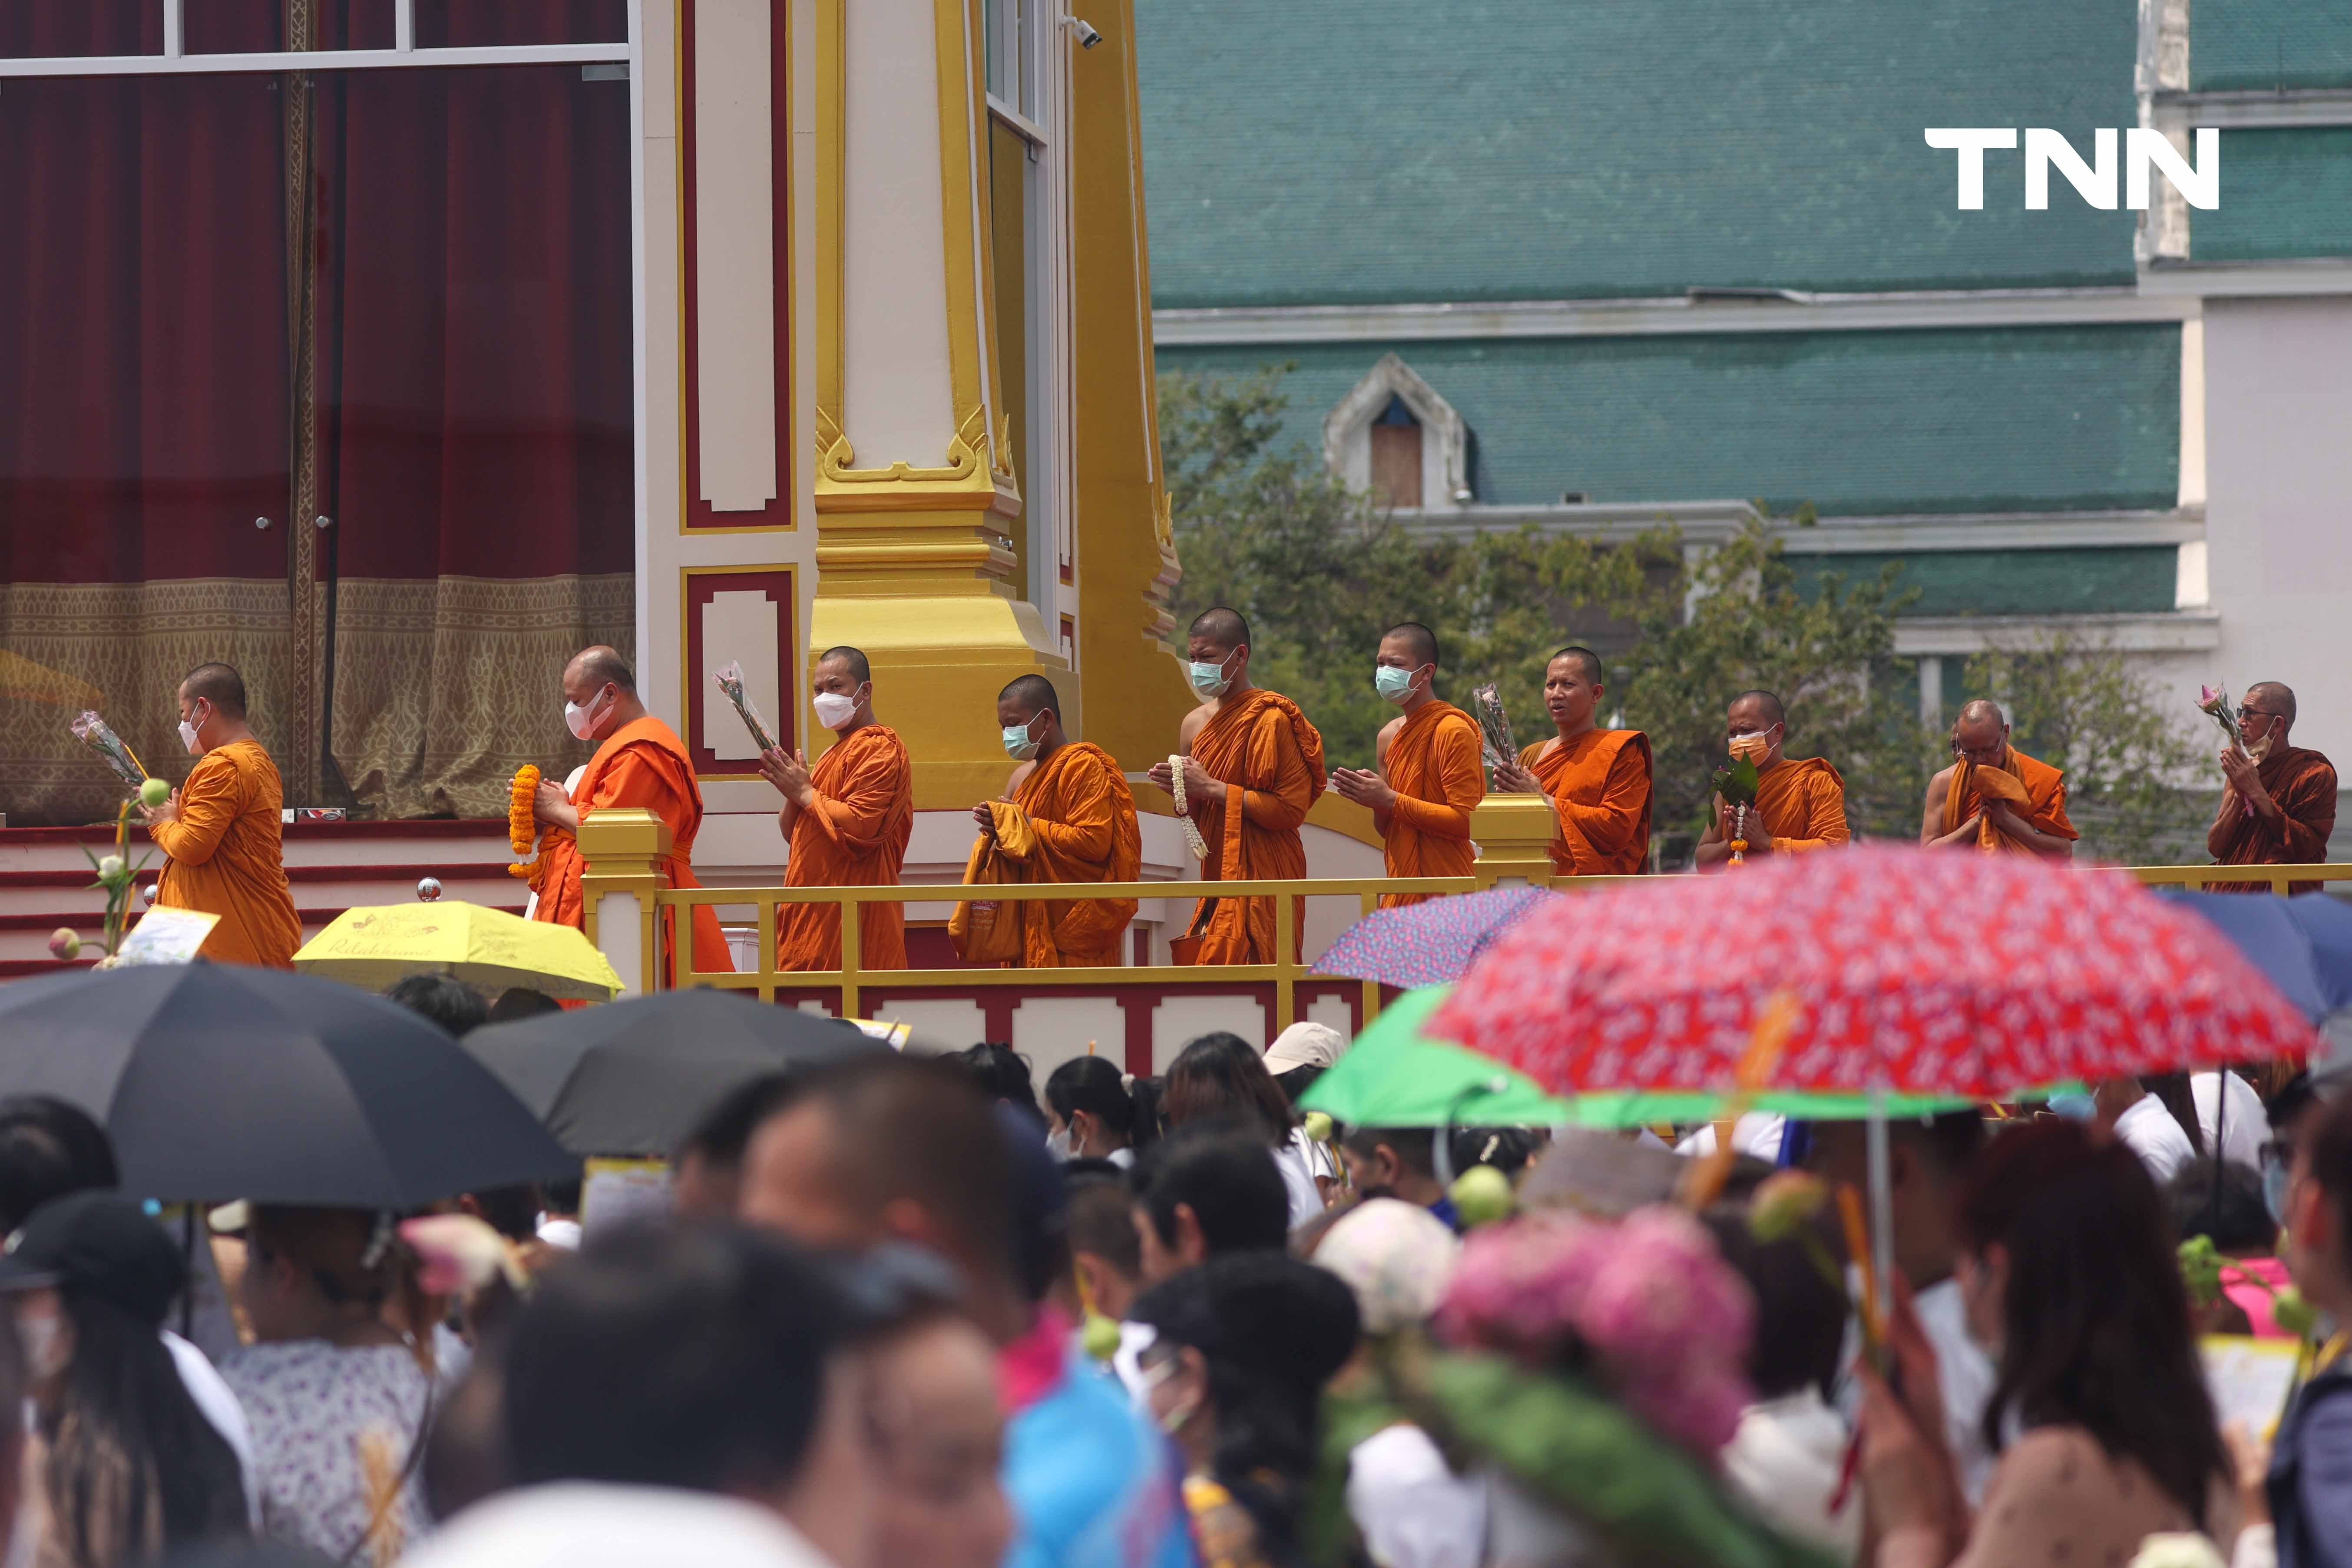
<point x="2214" y="702"/>
<point x="1647" y="1305"/>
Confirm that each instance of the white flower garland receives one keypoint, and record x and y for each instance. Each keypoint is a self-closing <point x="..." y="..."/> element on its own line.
<point x="1191" y="834"/>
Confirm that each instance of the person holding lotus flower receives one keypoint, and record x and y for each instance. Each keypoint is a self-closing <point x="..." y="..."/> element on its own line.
<point x="2280" y="807"/>
<point x="1799" y="803"/>
<point x="222" y="831"/>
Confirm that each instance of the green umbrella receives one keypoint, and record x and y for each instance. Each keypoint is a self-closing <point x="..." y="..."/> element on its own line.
<point x="1393" y="1076"/>
<point x="1640" y="1108"/>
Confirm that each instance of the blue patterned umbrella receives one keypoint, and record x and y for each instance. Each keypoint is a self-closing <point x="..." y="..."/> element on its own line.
<point x="1430" y="943"/>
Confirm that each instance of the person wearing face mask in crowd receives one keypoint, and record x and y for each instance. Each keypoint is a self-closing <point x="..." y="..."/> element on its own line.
<point x="641" y="763"/>
<point x="1799" y="800"/>
<point x="847" y="820"/>
<point x="1090" y="1112"/>
<point x="2280" y="807"/>
<point x="1429" y="777"/>
<point x="1253" y="768"/>
<point x="221" y="829"/>
<point x="1067" y="815"/>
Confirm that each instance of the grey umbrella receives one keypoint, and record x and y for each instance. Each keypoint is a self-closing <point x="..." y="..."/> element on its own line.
<point x="632" y="1076"/>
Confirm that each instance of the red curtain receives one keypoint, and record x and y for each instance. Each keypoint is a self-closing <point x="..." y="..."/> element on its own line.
<point x="143" y="418"/>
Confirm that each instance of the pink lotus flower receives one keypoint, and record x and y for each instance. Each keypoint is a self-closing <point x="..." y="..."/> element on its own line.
<point x="460" y="1254"/>
<point x="64" y="944"/>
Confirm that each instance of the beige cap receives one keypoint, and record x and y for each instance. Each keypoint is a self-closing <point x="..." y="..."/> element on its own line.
<point x="1305" y="1044"/>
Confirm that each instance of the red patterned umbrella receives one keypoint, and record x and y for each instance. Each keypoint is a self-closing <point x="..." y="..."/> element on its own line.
<point x="1931" y="973"/>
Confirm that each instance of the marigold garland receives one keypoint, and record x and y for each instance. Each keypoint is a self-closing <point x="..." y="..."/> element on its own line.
<point x="522" y="825"/>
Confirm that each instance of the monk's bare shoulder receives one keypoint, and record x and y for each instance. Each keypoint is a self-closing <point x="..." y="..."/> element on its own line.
<point x="1385" y="738"/>
<point x="1941" y="786"/>
<point x="1193" y="724"/>
<point x="1021" y="770"/>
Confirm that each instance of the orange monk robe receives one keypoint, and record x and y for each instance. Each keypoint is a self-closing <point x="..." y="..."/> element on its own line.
<point x="642" y="764"/>
<point x="1803" y="803"/>
<point x="1073" y="820"/>
<point x="1600" y="789"/>
<point x="2304" y="784"/>
<point x="228" y="858"/>
<point x="857" y="838"/>
<point x="1434" y="766"/>
<point x="2034" y="790"/>
<point x="1261" y="747"/>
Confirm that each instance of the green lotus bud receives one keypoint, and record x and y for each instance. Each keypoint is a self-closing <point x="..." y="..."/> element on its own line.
<point x="111" y="871"/>
<point x="1099" y="1338"/>
<point x="2293" y="1313"/>
<point x="154" y="792"/>
<point x="1784" y="1203"/>
<point x="1318" y="1126"/>
<point x="1482" y="1195"/>
<point x="64" y="944"/>
<point x="2200" y="1270"/>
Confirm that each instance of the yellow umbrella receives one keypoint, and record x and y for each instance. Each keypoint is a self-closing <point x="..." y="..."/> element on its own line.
<point x="375" y="948"/>
<point x="26" y="682"/>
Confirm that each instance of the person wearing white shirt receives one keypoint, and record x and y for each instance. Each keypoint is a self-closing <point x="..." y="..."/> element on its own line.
<point x="1222" y="1076"/>
<point x="2145" y="1125"/>
<point x="2230" y="1112"/>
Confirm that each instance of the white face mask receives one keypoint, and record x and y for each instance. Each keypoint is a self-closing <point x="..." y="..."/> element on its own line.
<point x="188" y="737"/>
<point x="1059" y="1143"/>
<point x="1208" y="678"/>
<point x="834" y="709"/>
<point x="43" y="1358"/>
<point x="578" y="720"/>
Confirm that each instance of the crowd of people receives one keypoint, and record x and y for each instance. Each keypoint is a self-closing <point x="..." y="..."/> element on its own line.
<point x="927" y="1310"/>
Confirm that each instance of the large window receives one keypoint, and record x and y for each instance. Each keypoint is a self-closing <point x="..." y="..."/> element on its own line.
<point x="316" y="321"/>
<point x="1027" y="53"/>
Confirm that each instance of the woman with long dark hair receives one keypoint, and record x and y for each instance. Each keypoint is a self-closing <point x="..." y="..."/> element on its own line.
<point x="1242" y="1346"/>
<point x="132" y="1468"/>
<point x="2099" y="1409"/>
<point x="1089" y="1108"/>
<point x="1222" y="1076"/>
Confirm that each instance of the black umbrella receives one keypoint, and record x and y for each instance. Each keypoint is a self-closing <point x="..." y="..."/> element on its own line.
<point x="220" y="1081"/>
<point x="632" y="1076"/>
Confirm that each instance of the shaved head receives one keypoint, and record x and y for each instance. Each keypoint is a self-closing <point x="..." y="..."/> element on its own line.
<point x="1767" y="706"/>
<point x="599" y="667"/>
<point x="851" y="658"/>
<point x="1031" y="694"/>
<point x="1419" y="643"/>
<point x="219" y="684"/>
<point x="1588" y="663"/>
<point x="1222" y="626"/>
<point x="1984" y="711"/>
<point x="1981" y="732"/>
<point x="2275" y="696"/>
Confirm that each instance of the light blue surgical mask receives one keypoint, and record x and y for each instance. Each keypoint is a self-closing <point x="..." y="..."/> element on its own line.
<point x="1209" y="678"/>
<point x="1018" y="742"/>
<point x="1393" y="683"/>
<point x="2276" y="1176"/>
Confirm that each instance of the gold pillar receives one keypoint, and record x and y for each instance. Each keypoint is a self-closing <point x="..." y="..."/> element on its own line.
<point x="1514" y="833"/>
<point x="626" y="853"/>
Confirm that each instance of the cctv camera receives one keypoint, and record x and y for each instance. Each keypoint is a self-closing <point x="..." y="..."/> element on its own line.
<point x="1087" y="36"/>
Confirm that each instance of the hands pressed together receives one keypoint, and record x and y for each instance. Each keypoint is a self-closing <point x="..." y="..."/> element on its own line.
<point x="1200" y="789"/>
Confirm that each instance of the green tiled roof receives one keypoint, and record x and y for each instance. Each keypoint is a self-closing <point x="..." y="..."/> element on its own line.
<point x="1387" y="150"/>
<point x="2283" y="194"/>
<point x="2032" y="418"/>
<point x="2267" y="44"/>
<point x="2017" y="582"/>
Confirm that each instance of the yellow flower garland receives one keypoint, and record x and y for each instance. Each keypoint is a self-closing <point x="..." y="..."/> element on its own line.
<point x="522" y="827"/>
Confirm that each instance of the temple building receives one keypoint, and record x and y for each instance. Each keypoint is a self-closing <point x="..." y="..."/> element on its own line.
<point x="1597" y="267"/>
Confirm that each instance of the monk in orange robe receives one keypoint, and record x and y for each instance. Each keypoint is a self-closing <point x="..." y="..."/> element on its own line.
<point x="1799" y="800"/>
<point x="1598" y="780"/>
<point x="1994" y="798"/>
<point x="1429" y="777"/>
<point x="222" y="830"/>
<point x="847" y="820"/>
<point x="639" y="762"/>
<point x="1252" y="767"/>
<point x="1068" y="816"/>
<point x="2280" y="807"/>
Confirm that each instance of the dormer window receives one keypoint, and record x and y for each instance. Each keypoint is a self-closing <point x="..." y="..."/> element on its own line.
<point x="1396" y="439"/>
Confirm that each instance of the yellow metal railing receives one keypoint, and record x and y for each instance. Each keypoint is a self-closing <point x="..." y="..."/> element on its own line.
<point x="2278" y="877"/>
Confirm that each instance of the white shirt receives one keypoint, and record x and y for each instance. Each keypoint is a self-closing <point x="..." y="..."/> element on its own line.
<point x="562" y="1233"/>
<point x="1756" y="1134"/>
<point x="2247" y="1126"/>
<point x="1964" y="1374"/>
<point x="2148" y="1130"/>
<point x="1786" y="1459"/>
<point x="586" y="1524"/>
<point x="1413" y="1510"/>
<point x="1300" y="1161"/>
<point x="219" y="1406"/>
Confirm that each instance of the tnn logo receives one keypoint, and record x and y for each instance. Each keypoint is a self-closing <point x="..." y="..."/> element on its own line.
<point x="2199" y="184"/>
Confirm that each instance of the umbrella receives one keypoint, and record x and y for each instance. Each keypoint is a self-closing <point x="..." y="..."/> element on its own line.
<point x="2302" y="943"/>
<point x="1430" y="943"/>
<point x="1393" y="1076"/>
<point x="1906" y="971"/>
<point x="220" y="1081"/>
<point x="377" y="947"/>
<point x="633" y="1078"/>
